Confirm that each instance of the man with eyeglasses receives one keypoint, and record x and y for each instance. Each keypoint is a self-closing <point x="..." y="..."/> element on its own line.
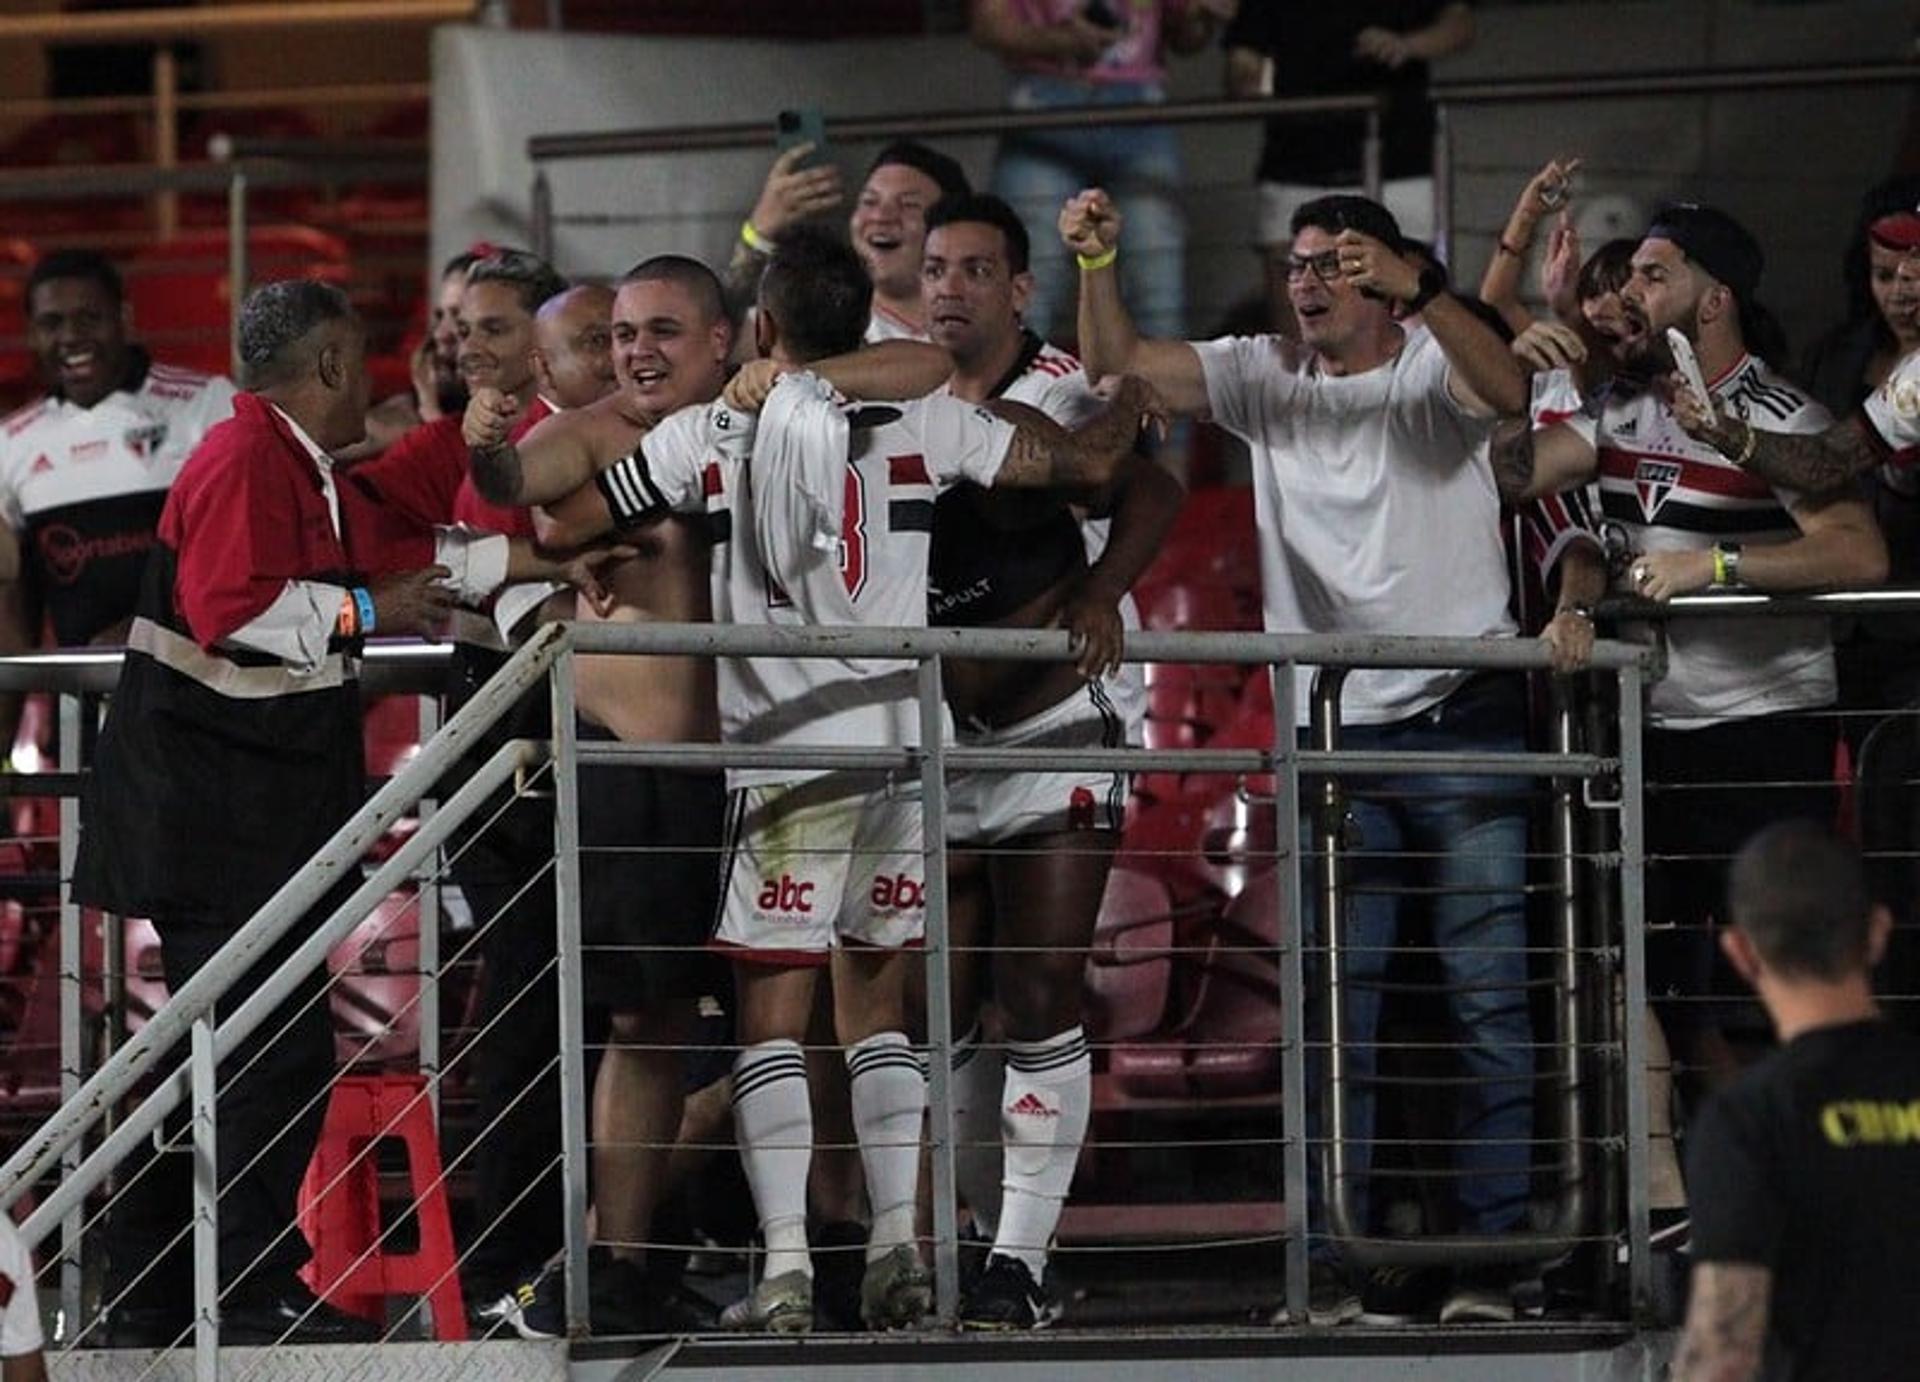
<point x="1377" y="515"/>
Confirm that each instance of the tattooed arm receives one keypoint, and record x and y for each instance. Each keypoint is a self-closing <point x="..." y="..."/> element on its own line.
<point x="1044" y="455"/>
<point x="1726" y="1334"/>
<point x="1820" y="464"/>
<point x="1530" y="462"/>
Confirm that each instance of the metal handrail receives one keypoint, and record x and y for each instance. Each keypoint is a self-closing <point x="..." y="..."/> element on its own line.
<point x="387" y="668"/>
<point x="123" y="1070"/>
<point x="1694" y="83"/>
<point x="549" y="148"/>
<point x="205" y="21"/>
<point x="549" y="653"/>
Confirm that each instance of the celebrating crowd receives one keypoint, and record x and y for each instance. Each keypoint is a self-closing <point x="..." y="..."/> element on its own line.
<point x="872" y="429"/>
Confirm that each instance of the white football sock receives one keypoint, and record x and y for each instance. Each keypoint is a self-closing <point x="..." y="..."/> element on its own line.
<point x="889" y="1102"/>
<point x="774" y="1118"/>
<point x="1043" y="1120"/>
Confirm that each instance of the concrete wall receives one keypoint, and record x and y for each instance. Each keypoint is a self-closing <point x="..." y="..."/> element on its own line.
<point x="1793" y="164"/>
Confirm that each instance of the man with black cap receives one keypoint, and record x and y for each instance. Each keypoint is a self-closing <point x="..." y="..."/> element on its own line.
<point x="889" y="225"/>
<point x="1687" y="518"/>
<point x="1376" y="515"/>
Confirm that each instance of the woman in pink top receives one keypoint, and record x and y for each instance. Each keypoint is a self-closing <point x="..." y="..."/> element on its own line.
<point x="1098" y="53"/>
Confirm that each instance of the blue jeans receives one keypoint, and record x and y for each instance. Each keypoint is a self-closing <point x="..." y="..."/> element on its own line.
<point x="1139" y="164"/>
<point x="1464" y="838"/>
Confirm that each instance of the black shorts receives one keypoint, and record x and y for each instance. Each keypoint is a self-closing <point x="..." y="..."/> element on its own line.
<point x="1708" y="792"/>
<point x="649" y="880"/>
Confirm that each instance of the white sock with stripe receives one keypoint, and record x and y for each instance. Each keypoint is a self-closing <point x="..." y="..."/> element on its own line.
<point x="889" y="1092"/>
<point x="1043" y="1121"/>
<point x="774" y="1119"/>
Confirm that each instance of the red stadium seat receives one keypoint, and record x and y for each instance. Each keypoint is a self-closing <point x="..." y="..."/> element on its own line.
<point x="181" y="296"/>
<point x="1130" y="968"/>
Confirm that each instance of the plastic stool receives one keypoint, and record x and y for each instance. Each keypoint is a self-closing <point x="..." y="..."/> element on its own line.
<point x="346" y="1224"/>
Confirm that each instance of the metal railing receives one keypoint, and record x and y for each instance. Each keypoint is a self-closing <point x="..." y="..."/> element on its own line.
<point x="187" y="1017"/>
<point x="553" y="148"/>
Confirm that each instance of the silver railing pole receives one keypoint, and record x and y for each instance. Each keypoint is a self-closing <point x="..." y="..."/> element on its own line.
<point x="939" y="962"/>
<point x="206" y="1202"/>
<point x="542" y="213"/>
<point x="238" y="268"/>
<point x="1633" y="920"/>
<point x="1294" y="933"/>
<point x="1329" y="814"/>
<point x="427" y="901"/>
<point x="73" y="717"/>
<point x="1569" y="1006"/>
<point x="574" y="1151"/>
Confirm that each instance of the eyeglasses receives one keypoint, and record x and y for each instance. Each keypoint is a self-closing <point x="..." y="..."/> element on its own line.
<point x="1324" y="266"/>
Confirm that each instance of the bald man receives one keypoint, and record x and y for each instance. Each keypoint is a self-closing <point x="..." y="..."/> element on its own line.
<point x="573" y="347"/>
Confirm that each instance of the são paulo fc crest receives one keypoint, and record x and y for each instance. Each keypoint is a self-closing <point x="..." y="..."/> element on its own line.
<point x="145" y="442"/>
<point x="1653" y="481"/>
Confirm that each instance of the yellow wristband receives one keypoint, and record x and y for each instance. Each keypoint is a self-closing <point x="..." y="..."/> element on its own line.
<point x="1098" y="261"/>
<point x="753" y="239"/>
<point x="1720" y="565"/>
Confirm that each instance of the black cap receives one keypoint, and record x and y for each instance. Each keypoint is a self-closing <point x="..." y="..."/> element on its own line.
<point x="936" y="165"/>
<point x="1715" y="241"/>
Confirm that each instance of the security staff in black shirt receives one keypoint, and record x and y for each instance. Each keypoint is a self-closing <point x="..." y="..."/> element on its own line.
<point x="1805" y="1173"/>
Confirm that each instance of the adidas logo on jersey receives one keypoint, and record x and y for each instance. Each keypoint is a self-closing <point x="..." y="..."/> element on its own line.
<point x="1030" y="1105"/>
<point x="785" y="894"/>
<point x="41" y="464"/>
<point x="898" y="893"/>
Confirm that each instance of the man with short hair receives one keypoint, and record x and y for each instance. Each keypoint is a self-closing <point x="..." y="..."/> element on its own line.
<point x="1805" y="1171"/>
<point x="649" y="835"/>
<point x="1031" y="850"/>
<point x="1376" y="516"/>
<point x="84" y="471"/>
<point x="232" y="749"/>
<point x="888" y="226"/>
<point x="824" y="869"/>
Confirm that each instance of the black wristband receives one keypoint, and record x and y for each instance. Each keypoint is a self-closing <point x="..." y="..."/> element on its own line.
<point x="1433" y="282"/>
<point x="631" y="495"/>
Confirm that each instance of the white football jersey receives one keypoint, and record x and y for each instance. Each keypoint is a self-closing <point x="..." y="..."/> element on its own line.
<point x="1893" y="409"/>
<point x="1662" y="491"/>
<point x="901" y="456"/>
<point x="84" y="487"/>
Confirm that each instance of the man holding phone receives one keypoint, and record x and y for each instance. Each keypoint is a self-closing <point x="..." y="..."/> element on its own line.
<point x="888" y="226"/>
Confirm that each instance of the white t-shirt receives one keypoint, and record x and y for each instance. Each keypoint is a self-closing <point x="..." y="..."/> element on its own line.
<point x="85" y="486"/>
<point x="19" y="1307"/>
<point x="1666" y="492"/>
<point x="1376" y="509"/>
<point x="902" y="456"/>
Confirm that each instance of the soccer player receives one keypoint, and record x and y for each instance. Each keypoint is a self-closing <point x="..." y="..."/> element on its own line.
<point x="1032" y="849"/>
<point x="825" y="868"/>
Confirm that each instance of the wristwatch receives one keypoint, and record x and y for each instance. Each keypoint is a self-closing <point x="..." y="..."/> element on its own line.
<point x="1433" y="282"/>
<point x="1726" y="563"/>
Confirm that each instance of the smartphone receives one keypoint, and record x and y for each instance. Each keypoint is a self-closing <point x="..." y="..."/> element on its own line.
<point x="1688" y="363"/>
<point x="796" y="127"/>
<point x="1100" y="14"/>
